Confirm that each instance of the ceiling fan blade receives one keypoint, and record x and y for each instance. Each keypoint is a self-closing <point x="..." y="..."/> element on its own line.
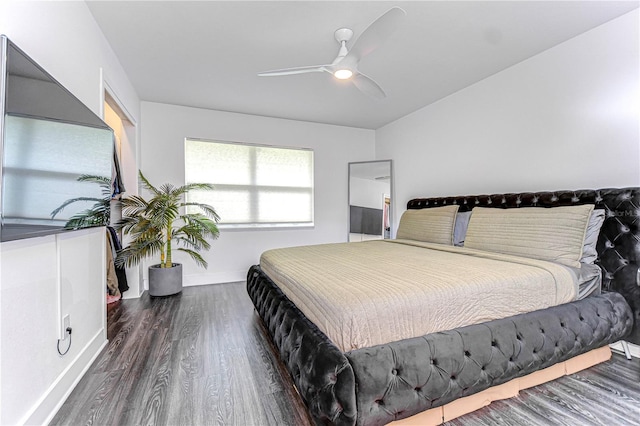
<point x="296" y="70"/>
<point x="367" y="85"/>
<point x="377" y="33"/>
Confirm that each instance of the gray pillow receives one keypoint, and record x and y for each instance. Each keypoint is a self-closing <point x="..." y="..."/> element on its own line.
<point x="460" y="228"/>
<point x="589" y="253"/>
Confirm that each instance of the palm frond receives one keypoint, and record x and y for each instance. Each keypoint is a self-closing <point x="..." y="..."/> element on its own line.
<point x="98" y="215"/>
<point x="192" y="236"/>
<point x="195" y="256"/>
<point x="134" y="224"/>
<point x="137" y="251"/>
<point x="207" y="209"/>
<point x="167" y="189"/>
<point x="147" y="184"/>
<point x="134" y="201"/>
<point x="103" y="181"/>
<point x="75" y="200"/>
<point x="196" y="187"/>
<point x="203" y="224"/>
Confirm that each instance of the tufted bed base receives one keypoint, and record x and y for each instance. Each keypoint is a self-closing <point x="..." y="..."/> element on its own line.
<point x="381" y="384"/>
<point x="468" y="404"/>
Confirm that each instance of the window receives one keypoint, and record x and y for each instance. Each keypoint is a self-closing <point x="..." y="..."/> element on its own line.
<point x="254" y="185"/>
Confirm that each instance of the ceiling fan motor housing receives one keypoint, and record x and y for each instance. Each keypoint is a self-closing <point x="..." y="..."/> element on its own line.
<point x="343" y="34"/>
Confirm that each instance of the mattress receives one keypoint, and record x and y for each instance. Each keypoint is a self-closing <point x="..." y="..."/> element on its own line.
<point x="375" y="292"/>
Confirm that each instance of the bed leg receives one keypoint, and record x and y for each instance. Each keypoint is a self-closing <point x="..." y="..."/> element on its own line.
<point x="625" y="348"/>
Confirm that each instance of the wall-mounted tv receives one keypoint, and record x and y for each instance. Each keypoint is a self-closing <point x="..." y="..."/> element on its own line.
<point x="56" y="154"/>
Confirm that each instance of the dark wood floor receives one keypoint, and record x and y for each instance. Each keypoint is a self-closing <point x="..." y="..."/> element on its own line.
<point x="202" y="358"/>
<point x="197" y="358"/>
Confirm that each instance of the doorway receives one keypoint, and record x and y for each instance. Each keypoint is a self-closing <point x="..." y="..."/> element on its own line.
<point x="125" y="132"/>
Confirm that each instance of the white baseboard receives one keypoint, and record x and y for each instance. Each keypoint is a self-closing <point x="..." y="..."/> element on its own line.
<point x="215" y="278"/>
<point x="203" y="279"/>
<point x="633" y="349"/>
<point x="48" y="405"/>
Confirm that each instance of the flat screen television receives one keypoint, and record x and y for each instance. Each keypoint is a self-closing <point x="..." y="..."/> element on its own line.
<point x="56" y="154"/>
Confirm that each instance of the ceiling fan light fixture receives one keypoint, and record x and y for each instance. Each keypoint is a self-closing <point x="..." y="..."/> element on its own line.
<point x="345" y="65"/>
<point x="343" y="74"/>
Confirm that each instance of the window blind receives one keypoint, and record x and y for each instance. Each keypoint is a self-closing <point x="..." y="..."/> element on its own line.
<point x="254" y="184"/>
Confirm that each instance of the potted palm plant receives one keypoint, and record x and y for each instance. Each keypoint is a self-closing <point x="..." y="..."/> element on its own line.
<point x="154" y="225"/>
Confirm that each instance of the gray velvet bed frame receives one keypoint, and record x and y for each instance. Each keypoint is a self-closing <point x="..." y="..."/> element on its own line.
<point x="376" y="385"/>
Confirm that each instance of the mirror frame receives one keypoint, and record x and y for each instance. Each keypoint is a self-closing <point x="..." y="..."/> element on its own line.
<point x="391" y="193"/>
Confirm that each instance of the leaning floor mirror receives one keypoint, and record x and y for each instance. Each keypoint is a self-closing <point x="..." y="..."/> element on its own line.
<point x="370" y="197"/>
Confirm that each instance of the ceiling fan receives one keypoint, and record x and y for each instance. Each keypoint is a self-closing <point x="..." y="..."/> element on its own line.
<point x="345" y="65"/>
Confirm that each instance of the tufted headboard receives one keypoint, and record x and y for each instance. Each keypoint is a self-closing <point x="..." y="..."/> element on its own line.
<point x="619" y="242"/>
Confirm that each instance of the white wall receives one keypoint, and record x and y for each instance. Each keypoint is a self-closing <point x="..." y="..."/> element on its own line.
<point x="368" y="193"/>
<point x="34" y="380"/>
<point x="164" y="128"/>
<point x="567" y="118"/>
<point x="65" y="40"/>
<point x="42" y="280"/>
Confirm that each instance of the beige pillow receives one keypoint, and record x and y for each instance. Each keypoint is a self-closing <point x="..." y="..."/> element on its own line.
<point x="434" y="225"/>
<point x="556" y="234"/>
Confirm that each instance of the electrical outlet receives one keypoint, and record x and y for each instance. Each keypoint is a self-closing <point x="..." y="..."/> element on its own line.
<point x="66" y="323"/>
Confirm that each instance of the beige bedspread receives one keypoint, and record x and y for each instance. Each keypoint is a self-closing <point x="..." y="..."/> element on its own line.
<point x="369" y="293"/>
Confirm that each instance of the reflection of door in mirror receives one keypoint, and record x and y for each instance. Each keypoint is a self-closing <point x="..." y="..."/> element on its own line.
<point x="370" y="193"/>
<point x="386" y="224"/>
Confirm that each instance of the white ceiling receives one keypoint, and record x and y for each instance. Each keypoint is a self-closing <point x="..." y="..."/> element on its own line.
<point x="206" y="53"/>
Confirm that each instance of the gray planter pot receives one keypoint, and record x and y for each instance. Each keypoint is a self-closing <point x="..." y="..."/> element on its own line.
<point x="165" y="281"/>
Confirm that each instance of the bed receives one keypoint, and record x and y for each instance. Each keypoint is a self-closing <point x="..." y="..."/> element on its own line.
<point x="377" y="380"/>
